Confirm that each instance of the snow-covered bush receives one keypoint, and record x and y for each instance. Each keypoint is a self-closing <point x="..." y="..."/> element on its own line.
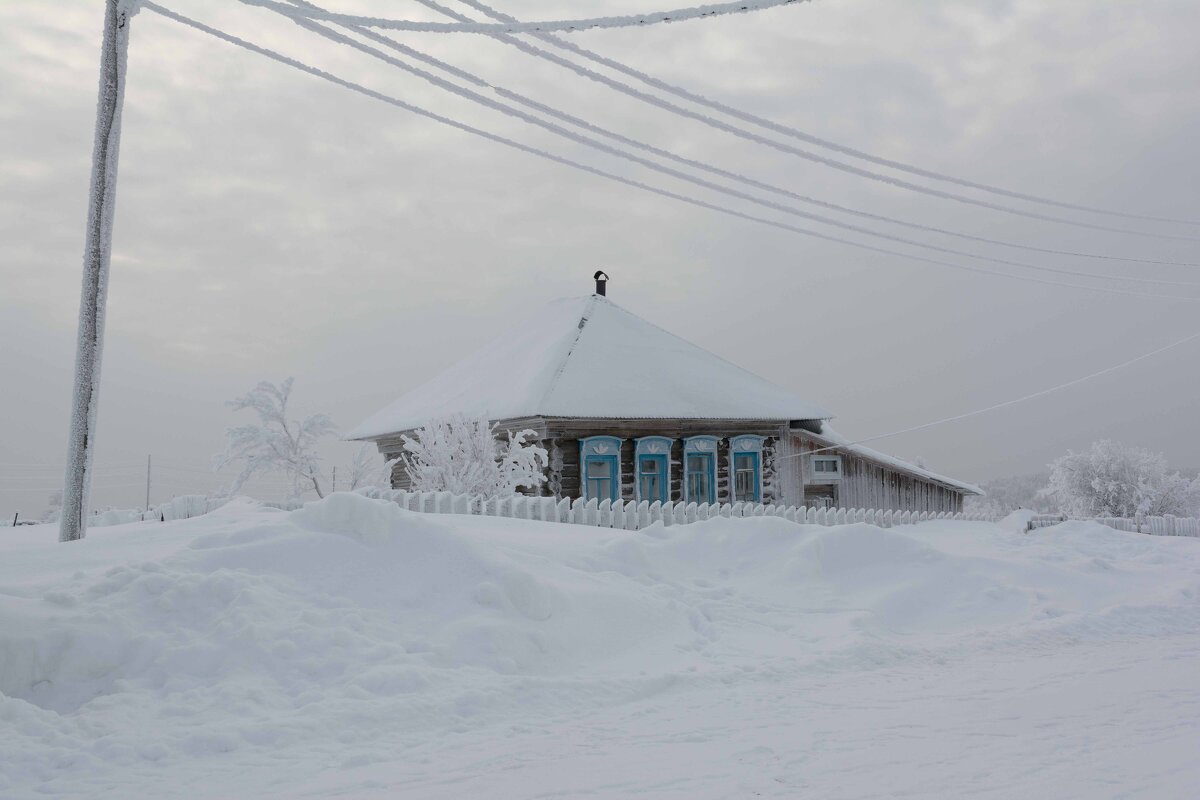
<point x="367" y="472"/>
<point x="1113" y="480"/>
<point x="464" y="455"/>
<point x="276" y="443"/>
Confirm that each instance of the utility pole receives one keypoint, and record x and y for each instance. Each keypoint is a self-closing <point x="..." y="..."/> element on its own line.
<point x="147" y="506"/>
<point x="96" y="253"/>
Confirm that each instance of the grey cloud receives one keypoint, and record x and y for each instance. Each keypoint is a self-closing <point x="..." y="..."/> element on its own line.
<point x="271" y="225"/>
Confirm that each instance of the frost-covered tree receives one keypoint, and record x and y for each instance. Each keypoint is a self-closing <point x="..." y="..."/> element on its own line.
<point x="53" y="507"/>
<point x="276" y="443"/>
<point x="1113" y="480"/>
<point x="367" y="472"/>
<point x="464" y="455"/>
<point x="1003" y="495"/>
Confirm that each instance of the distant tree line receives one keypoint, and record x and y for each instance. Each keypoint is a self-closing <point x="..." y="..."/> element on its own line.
<point x="1109" y="479"/>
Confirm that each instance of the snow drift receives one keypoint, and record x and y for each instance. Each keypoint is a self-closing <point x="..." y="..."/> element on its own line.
<point x="253" y="652"/>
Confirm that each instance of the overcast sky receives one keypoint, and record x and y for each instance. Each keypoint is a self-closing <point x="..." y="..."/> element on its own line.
<point x="270" y="224"/>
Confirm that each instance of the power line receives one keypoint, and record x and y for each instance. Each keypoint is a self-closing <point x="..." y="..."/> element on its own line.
<point x="43" y="465"/>
<point x="557" y="130"/>
<point x="1012" y="402"/>
<point x="626" y="21"/>
<point x="762" y="122"/>
<point x="566" y="117"/>
<point x="355" y="87"/>
<point x="59" y="487"/>
<point x="808" y="155"/>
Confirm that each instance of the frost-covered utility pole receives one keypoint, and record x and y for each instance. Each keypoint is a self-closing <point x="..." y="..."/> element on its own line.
<point x="97" y="249"/>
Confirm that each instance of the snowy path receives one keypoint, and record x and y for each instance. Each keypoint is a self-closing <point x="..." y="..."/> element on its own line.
<point x="1089" y="721"/>
<point x="353" y="650"/>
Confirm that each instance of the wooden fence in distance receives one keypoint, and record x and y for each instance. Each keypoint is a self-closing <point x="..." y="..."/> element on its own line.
<point x="1166" y="525"/>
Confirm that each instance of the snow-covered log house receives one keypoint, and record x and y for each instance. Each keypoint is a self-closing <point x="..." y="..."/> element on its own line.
<point x="629" y="411"/>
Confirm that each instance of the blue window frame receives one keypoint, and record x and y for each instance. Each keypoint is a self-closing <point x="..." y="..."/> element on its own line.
<point x="652" y="460"/>
<point x="745" y="468"/>
<point x="700" y="469"/>
<point x="600" y="467"/>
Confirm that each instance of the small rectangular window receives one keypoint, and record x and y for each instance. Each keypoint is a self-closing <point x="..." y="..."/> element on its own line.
<point x="827" y="466"/>
<point x="699" y="478"/>
<point x="600" y="478"/>
<point x="651" y="481"/>
<point x="745" y="478"/>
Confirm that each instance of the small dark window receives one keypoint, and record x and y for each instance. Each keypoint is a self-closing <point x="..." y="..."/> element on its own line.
<point x="829" y="465"/>
<point x="600" y="478"/>
<point x="652" y="482"/>
<point x="745" y="478"/>
<point x="699" y="478"/>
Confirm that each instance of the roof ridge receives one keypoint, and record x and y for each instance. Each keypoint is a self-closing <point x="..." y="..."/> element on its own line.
<point x="562" y="365"/>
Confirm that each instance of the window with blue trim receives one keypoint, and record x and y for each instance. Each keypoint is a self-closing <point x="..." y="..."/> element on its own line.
<point x="600" y="467"/>
<point x="700" y="469"/>
<point x="652" y="455"/>
<point x="745" y="468"/>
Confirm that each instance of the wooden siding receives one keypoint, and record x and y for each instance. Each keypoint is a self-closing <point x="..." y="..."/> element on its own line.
<point x="870" y="484"/>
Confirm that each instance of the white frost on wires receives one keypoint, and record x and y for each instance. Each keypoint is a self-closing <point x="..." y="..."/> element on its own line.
<point x="394" y="101"/>
<point x="808" y="155"/>
<point x="509" y="110"/>
<point x="528" y="102"/>
<point x="625" y="21"/>
<point x="786" y="130"/>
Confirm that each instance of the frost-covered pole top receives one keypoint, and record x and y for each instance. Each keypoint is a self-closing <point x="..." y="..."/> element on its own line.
<point x="127" y="8"/>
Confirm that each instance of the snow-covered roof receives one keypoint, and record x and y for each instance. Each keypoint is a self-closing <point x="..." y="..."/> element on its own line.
<point x="835" y="439"/>
<point x="588" y="357"/>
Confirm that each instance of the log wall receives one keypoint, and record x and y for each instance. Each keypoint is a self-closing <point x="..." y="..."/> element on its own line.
<point x="865" y="483"/>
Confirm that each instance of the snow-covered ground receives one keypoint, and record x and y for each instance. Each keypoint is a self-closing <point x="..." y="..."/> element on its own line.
<point x="355" y="650"/>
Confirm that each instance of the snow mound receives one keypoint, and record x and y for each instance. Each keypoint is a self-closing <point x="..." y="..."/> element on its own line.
<point x="351" y="628"/>
<point x="1017" y="521"/>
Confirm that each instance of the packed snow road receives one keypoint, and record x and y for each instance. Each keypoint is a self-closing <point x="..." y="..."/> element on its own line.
<point x="355" y="650"/>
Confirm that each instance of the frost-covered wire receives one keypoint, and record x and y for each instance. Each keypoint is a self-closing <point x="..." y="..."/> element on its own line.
<point x="398" y="103"/>
<point x="44" y="465"/>
<point x="808" y="155"/>
<point x="558" y="130"/>
<point x="566" y="25"/>
<point x="528" y="102"/>
<point x="787" y="130"/>
<point x="996" y="406"/>
<point x="59" y="487"/>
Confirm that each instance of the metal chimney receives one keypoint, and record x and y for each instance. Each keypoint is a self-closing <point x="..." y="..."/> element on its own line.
<point x="601" y="279"/>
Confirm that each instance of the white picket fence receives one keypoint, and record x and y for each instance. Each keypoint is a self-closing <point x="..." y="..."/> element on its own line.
<point x="1166" y="525"/>
<point x="631" y="515"/>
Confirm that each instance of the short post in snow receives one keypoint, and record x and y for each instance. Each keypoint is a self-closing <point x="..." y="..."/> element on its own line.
<point x="96" y="254"/>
